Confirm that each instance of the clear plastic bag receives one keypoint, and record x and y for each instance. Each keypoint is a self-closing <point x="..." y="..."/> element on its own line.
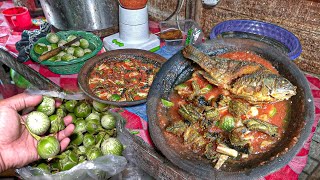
<point x="191" y="34"/>
<point x="101" y="168"/>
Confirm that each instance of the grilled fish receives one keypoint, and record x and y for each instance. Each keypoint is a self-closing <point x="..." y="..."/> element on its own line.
<point x="247" y="80"/>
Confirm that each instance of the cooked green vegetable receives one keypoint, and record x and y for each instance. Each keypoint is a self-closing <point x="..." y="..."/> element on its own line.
<point x="181" y="87"/>
<point x="206" y="89"/>
<point x="115" y="97"/>
<point x="167" y="103"/>
<point x="227" y="123"/>
<point x="273" y="111"/>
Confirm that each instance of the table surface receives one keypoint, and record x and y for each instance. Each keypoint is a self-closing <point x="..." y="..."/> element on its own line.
<point x="136" y="116"/>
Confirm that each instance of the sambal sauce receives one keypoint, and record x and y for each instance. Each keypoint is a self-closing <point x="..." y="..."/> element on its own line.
<point x="209" y="122"/>
<point x="126" y="80"/>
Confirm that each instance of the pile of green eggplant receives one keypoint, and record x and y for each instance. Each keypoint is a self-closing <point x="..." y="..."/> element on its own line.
<point x="94" y="134"/>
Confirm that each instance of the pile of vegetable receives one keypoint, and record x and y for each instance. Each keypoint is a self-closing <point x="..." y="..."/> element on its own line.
<point x="94" y="134"/>
<point x="76" y="50"/>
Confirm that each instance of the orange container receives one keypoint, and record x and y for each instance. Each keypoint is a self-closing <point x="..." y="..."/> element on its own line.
<point x="133" y="4"/>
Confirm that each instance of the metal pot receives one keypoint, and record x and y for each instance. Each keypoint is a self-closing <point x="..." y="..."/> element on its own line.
<point x="85" y="15"/>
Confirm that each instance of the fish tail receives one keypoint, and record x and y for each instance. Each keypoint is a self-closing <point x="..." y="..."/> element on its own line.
<point x="190" y="52"/>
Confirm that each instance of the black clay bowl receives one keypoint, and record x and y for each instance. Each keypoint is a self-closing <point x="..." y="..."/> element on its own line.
<point x="115" y="55"/>
<point x="178" y="69"/>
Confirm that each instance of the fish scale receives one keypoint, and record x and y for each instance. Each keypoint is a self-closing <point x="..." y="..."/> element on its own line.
<point x="244" y="79"/>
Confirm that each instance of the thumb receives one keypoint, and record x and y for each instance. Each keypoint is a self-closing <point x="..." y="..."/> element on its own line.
<point x="22" y="101"/>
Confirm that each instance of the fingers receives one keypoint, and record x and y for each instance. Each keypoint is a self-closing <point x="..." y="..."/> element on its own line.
<point x="65" y="133"/>
<point x="62" y="136"/>
<point x="64" y="143"/>
<point x="68" y="130"/>
<point x="67" y="120"/>
<point x="22" y="101"/>
<point x="58" y="102"/>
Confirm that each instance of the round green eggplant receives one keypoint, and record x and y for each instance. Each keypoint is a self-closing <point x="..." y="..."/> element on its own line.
<point x="47" y="106"/>
<point x="93" y="153"/>
<point x="70" y="105"/>
<point x="38" y="122"/>
<point x="83" y="109"/>
<point x="48" y="147"/>
<point x="108" y="121"/>
<point x="76" y="139"/>
<point x="89" y="140"/>
<point x="111" y="146"/>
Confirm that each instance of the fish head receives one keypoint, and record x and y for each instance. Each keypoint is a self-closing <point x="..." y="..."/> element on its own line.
<point x="283" y="89"/>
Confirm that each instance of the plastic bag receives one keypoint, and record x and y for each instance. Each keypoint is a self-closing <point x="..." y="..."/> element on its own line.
<point x="103" y="167"/>
<point x="194" y="36"/>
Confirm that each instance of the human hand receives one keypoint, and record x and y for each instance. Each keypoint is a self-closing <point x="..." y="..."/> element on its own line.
<point x="17" y="147"/>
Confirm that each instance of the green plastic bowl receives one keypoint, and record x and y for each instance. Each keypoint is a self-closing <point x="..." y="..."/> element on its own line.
<point x="72" y="66"/>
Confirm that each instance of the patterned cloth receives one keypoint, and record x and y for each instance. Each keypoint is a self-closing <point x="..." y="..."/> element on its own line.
<point x="28" y="38"/>
<point x="136" y="116"/>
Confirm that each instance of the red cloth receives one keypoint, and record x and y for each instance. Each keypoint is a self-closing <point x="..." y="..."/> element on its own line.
<point x="134" y="122"/>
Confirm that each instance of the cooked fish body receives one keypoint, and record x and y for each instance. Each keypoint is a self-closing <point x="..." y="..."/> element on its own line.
<point x="247" y="80"/>
<point x="263" y="86"/>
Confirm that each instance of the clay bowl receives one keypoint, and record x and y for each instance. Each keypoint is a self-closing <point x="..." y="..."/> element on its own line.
<point x="178" y="69"/>
<point x="116" y="55"/>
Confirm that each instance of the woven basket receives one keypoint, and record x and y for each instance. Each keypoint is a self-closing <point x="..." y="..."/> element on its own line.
<point x="272" y="31"/>
<point x="72" y="66"/>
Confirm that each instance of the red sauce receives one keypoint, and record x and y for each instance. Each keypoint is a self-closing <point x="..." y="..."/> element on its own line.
<point x="249" y="56"/>
<point x="260" y="141"/>
<point x="126" y="80"/>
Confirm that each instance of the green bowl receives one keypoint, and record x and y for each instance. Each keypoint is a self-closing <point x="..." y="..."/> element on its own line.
<point x="72" y="66"/>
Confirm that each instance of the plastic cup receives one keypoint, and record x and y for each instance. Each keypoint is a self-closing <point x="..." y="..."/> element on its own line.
<point x="17" y="18"/>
